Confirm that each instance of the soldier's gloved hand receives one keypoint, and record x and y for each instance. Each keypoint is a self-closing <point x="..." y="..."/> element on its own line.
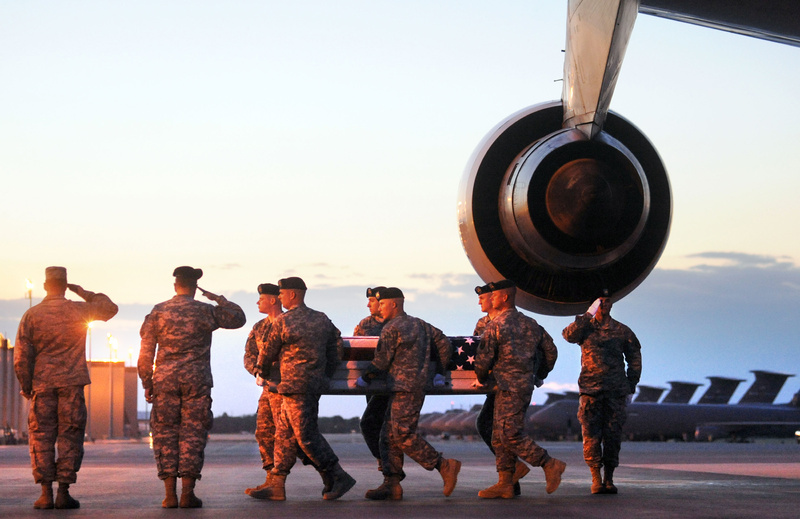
<point x="209" y="295"/>
<point x="439" y="380"/>
<point x="360" y="382"/>
<point x="259" y="381"/>
<point x="26" y="394"/>
<point x="593" y="309"/>
<point x="148" y="395"/>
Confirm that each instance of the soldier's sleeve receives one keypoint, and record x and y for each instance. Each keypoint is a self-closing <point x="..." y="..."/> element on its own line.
<point x="24" y="356"/>
<point x="147" y="351"/>
<point x="384" y="353"/>
<point x="576" y="331"/>
<point x="228" y="314"/>
<point x="633" y="358"/>
<point x="486" y="354"/>
<point x="549" y="355"/>
<point x="444" y="349"/>
<point x="251" y="353"/>
<point x="333" y="351"/>
<point x="271" y="348"/>
<point x="358" y="331"/>
<point x="99" y="307"/>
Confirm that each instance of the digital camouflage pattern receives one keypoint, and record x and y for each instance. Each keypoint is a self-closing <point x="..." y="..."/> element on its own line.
<point x="516" y="350"/>
<point x="306" y="346"/>
<point x="50" y="364"/>
<point x="297" y="435"/>
<point x="403" y="353"/>
<point x="50" y="348"/>
<point x="177" y="334"/>
<point x="369" y="326"/>
<point x="605" y="349"/>
<point x="399" y="435"/>
<point x="265" y="414"/>
<point x="509" y="439"/>
<point x="480" y="326"/>
<point x="484" y="423"/>
<point x="57" y="418"/>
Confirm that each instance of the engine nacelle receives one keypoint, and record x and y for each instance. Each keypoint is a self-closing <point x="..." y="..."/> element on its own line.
<point x="561" y="215"/>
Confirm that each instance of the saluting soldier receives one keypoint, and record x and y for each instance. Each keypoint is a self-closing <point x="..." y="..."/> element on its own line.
<point x="306" y="346"/>
<point x="403" y="355"/>
<point x="50" y="364"/>
<point x="604" y="384"/>
<point x="177" y="335"/>
<point x="517" y="351"/>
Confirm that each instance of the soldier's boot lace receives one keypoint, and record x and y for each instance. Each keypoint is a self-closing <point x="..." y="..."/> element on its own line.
<point x="171" y="493"/>
<point x="390" y="489"/>
<point x="449" y="469"/>
<point x="259" y="487"/>
<point x="342" y="482"/>
<point x="553" y="469"/>
<point x="597" y="480"/>
<point x="45" y="501"/>
<point x="608" y="482"/>
<point x="275" y="489"/>
<point x="504" y="488"/>
<point x="64" y="501"/>
<point x="520" y="471"/>
<point x="188" y="499"/>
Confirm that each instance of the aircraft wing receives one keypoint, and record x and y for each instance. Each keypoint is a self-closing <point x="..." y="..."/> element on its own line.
<point x="776" y="20"/>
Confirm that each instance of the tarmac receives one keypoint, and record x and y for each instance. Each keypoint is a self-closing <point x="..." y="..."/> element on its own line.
<point x="655" y="480"/>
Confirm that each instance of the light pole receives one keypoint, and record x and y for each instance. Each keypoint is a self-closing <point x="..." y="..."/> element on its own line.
<point x="112" y="346"/>
<point x="29" y="285"/>
<point x="89" y="390"/>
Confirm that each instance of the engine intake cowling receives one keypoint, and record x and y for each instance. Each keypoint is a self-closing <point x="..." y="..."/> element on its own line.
<point x="561" y="215"/>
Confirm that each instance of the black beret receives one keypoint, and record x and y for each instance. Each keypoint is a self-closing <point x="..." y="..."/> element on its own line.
<point x="372" y="291"/>
<point x="500" y="285"/>
<point x="188" y="273"/>
<point x="482" y="289"/>
<point x="292" y="283"/>
<point x="269" y="289"/>
<point x="389" y="293"/>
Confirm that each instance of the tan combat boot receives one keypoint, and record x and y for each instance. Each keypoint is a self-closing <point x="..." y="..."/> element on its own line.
<point x="449" y="469"/>
<point x="520" y="471"/>
<point x="608" y="482"/>
<point x="504" y="488"/>
<point x="171" y="494"/>
<point x="275" y="489"/>
<point x="188" y="499"/>
<point x="342" y="482"/>
<point x="553" y="469"/>
<point x="64" y="501"/>
<point x="45" y="501"/>
<point x="597" y="480"/>
<point x="390" y="490"/>
<point x="259" y="487"/>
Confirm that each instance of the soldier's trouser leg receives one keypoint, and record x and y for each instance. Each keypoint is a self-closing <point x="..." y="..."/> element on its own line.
<point x="57" y="416"/>
<point x="372" y="422"/>
<point x="615" y="413"/>
<point x="509" y="439"/>
<point x="165" y="419"/>
<point x="402" y="435"/>
<point x="299" y="424"/>
<point x="590" y="414"/>
<point x="276" y="404"/>
<point x="265" y="429"/>
<point x="196" y="421"/>
<point x="485" y="421"/>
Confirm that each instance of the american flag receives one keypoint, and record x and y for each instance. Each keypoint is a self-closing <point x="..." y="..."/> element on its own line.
<point x="464" y="350"/>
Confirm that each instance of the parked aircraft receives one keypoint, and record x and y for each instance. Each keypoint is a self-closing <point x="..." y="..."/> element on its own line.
<point x="566" y="198"/>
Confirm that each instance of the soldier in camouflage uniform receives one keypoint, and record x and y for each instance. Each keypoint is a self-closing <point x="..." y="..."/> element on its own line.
<point x="50" y="364"/>
<point x="375" y="412"/>
<point x="268" y="303"/>
<point x="307" y="347"/>
<point x="484" y="422"/>
<point x="606" y="347"/>
<point x="177" y="335"/>
<point x="516" y="350"/>
<point x="403" y="354"/>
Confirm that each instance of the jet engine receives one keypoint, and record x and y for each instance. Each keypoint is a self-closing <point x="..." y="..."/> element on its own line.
<point x="562" y="215"/>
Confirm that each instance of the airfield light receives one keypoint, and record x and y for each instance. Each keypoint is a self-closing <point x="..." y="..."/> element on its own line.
<point x="29" y="286"/>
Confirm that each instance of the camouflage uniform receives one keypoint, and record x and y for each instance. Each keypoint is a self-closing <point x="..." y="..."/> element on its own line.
<point x="403" y="352"/>
<point x="181" y="380"/>
<point x="517" y="351"/>
<point x="50" y="363"/>
<point x="604" y="384"/>
<point x="265" y="415"/>
<point x="485" y="418"/>
<point x="306" y="347"/>
<point x="372" y="420"/>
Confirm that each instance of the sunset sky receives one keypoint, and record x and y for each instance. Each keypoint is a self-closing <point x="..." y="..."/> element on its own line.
<point x="260" y="139"/>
